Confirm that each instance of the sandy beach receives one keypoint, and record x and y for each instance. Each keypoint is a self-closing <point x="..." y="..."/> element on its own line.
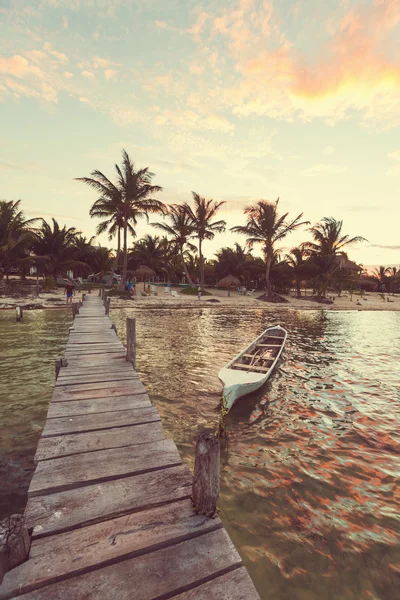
<point x="56" y="299"/>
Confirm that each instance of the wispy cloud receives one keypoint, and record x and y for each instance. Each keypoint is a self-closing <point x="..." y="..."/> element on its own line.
<point x="88" y="74"/>
<point x="328" y="150"/>
<point x="394" y="247"/>
<point x="323" y="169"/>
<point x="394" y="155"/>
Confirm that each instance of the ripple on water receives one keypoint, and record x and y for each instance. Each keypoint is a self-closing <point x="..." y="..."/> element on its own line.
<point x="310" y="470"/>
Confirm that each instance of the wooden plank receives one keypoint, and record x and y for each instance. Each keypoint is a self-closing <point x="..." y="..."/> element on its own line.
<point x="97" y="378"/>
<point x="68" y="510"/>
<point x="76" y="443"/>
<point x="82" y="423"/>
<point x="79" y="376"/>
<point x="84" y="391"/>
<point x="97" y="405"/>
<point x="98" y="545"/>
<point x="160" y="574"/>
<point x="235" y="585"/>
<point x="69" y="472"/>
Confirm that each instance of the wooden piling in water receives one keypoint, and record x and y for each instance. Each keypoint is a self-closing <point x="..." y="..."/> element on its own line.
<point x="206" y="475"/>
<point x="15" y="542"/>
<point x="131" y="340"/>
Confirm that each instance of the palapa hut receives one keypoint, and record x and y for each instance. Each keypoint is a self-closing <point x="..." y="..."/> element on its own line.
<point x="144" y="273"/>
<point x="229" y="282"/>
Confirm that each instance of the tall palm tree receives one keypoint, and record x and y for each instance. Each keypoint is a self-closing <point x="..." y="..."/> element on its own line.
<point x="267" y="227"/>
<point x="204" y="228"/>
<point x="329" y="239"/>
<point x="111" y="211"/>
<point x="131" y="193"/>
<point x="180" y="229"/>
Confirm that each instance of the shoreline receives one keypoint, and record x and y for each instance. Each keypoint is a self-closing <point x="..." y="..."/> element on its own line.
<point x="371" y="302"/>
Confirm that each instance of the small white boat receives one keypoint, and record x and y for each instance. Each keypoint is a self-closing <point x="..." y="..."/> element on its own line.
<point x="251" y="368"/>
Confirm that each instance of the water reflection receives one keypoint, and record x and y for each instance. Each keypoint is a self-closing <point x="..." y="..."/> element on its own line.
<point x="28" y="350"/>
<point x="310" y="470"/>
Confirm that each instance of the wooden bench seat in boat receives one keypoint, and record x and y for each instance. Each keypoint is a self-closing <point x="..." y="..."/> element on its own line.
<point x="243" y="367"/>
<point x="269" y="345"/>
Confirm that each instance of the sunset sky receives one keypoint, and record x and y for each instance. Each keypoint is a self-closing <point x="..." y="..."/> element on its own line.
<point x="237" y="100"/>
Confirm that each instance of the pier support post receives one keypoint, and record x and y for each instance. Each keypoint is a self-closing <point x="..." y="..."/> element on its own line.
<point x="108" y="302"/>
<point x="19" y="313"/>
<point x="83" y="297"/>
<point x="206" y="475"/>
<point x="14" y="543"/>
<point x="131" y="340"/>
<point x="100" y="292"/>
<point x="113" y="326"/>
<point x="60" y="362"/>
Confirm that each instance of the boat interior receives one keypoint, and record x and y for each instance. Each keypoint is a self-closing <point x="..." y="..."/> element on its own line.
<point x="260" y="357"/>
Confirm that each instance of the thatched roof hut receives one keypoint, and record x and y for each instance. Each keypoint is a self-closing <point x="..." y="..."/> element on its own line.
<point x="144" y="273"/>
<point x="228" y="282"/>
<point x="345" y="263"/>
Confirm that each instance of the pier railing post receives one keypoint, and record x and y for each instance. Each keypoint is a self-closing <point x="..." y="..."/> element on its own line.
<point x="100" y="292"/>
<point x="206" y="475"/>
<point x="131" y="340"/>
<point x="14" y="543"/>
<point x="108" y="302"/>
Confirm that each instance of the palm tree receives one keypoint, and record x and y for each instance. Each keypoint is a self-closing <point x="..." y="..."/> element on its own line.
<point x="132" y="196"/>
<point x="297" y="259"/>
<point x="16" y="235"/>
<point x="180" y="229"/>
<point x="237" y="261"/>
<point x="101" y="261"/>
<point x="381" y="276"/>
<point x="204" y="228"/>
<point x="111" y="210"/>
<point x="393" y="271"/>
<point x="55" y="247"/>
<point x="329" y="239"/>
<point x="267" y="227"/>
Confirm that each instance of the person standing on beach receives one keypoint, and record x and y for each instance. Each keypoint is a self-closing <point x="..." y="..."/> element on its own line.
<point x="69" y="291"/>
<point x="199" y="293"/>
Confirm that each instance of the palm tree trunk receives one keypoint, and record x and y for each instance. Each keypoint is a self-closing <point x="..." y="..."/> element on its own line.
<point x="267" y="273"/>
<point x="125" y="267"/>
<point x="118" y="248"/>
<point x="187" y="274"/>
<point x="298" y="286"/>
<point x="201" y="266"/>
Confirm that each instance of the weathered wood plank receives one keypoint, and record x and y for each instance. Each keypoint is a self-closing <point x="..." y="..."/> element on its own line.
<point x="76" y="443"/>
<point x="97" y="405"/>
<point x="97" y="378"/>
<point x="68" y="510"/>
<point x="83" y="423"/>
<point x="158" y="574"/>
<point x="105" y="543"/>
<point x="69" y="472"/>
<point x="235" y="585"/>
<point x="99" y="390"/>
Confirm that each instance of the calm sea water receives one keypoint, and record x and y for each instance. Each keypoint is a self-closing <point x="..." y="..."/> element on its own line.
<point x="311" y="465"/>
<point x="28" y="350"/>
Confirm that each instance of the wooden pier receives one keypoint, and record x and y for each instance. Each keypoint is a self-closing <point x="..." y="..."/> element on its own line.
<point x="109" y="503"/>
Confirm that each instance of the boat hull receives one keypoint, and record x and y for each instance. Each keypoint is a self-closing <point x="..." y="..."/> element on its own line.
<point x="240" y="383"/>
